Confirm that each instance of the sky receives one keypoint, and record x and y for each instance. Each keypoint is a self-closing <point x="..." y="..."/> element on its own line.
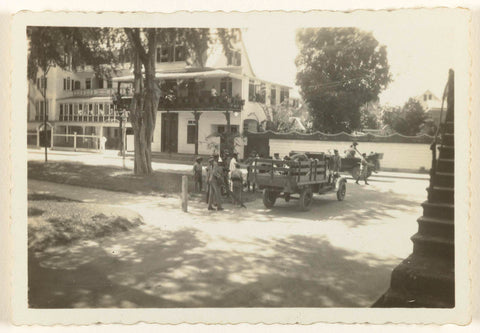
<point x="419" y="53"/>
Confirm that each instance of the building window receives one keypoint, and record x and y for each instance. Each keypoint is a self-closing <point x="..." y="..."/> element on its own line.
<point x="109" y="83"/>
<point x="191" y="131"/>
<point x="260" y="93"/>
<point x="171" y="53"/>
<point x="88" y="84"/>
<point x="234" y="58"/>
<point x="223" y="128"/>
<point x="77" y="85"/>
<point x="273" y="96"/>
<point x="284" y="95"/>
<point x="180" y="53"/>
<point x="100" y="83"/>
<point x="162" y="54"/>
<point x="68" y="83"/>
<point x="61" y="111"/>
<point x="251" y="90"/>
<point x="64" y="84"/>
<point x="226" y="86"/>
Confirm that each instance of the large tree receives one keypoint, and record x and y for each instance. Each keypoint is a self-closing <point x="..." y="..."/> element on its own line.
<point x="143" y="45"/>
<point x="338" y="71"/>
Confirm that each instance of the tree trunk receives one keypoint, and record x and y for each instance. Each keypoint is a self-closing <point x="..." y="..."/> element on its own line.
<point x="145" y="101"/>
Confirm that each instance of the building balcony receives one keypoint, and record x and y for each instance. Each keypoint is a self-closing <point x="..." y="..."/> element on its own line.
<point x="112" y="117"/>
<point x="101" y="92"/>
<point x="203" y="103"/>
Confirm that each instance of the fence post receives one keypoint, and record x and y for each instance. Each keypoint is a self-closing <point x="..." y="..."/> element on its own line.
<point x="74" y="141"/>
<point x="185" y="193"/>
<point x="51" y="137"/>
<point x="38" y="138"/>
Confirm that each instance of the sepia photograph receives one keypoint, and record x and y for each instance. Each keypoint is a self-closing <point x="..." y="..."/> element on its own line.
<point x="228" y="160"/>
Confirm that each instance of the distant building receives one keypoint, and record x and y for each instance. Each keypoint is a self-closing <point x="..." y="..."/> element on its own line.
<point x="432" y="106"/>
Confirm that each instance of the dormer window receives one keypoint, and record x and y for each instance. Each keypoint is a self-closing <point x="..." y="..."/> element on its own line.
<point x="234" y="58"/>
<point x="171" y="53"/>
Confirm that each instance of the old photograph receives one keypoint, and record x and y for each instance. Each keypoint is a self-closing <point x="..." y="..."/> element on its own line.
<point x="239" y="161"/>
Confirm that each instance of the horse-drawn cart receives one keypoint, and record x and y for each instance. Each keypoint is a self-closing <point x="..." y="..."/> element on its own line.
<point x="304" y="176"/>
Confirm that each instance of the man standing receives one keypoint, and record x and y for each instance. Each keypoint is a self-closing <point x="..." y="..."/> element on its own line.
<point x="103" y="141"/>
<point x="198" y="174"/>
<point x="216" y="181"/>
<point x="209" y="173"/>
<point x="337" y="162"/>
<point x="237" y="184"/>
<point x="363" y="169"/>
<point x="232" y="166"/>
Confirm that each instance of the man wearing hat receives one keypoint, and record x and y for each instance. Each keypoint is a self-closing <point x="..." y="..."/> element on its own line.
<point x="237" y="185"/>
<point x="337" y="162"/>
<point x="209" y="170"/>
<point x="363" y="169"/>
<point x="198" y="174"/>
<point x="216" y="181"/>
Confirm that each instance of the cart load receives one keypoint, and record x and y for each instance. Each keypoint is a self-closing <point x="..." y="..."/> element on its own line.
<point x="299" y="174"/>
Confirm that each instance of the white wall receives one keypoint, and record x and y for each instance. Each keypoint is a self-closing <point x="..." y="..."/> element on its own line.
<point x="407" y="156"/>
<point x="207" y="119"/>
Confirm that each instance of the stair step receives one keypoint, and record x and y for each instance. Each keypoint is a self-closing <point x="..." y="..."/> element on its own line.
<point x="447" y="152"/>
<point x="449" y="127"/>
<point x="441" y="194"/>
<point x="448" y="139"/>
<point x="438" y="227"/>
<point x="439" y="210"/>
<point x="445" y="165"/>
<point x="444" y="179"/>
<point x="403" y="299"/>
<point x="425" y="276"/>
<point x="433" y="245"/>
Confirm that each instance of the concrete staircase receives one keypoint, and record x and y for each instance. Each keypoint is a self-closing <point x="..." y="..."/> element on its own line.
<point x="426" y="278"/>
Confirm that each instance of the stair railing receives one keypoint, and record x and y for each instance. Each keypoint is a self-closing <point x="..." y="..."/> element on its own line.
<point x="441" y="126"/>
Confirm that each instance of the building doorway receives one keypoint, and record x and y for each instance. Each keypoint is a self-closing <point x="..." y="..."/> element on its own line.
<point x="169" y="132"/>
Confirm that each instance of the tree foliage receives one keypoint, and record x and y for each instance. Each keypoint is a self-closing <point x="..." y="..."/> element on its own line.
<point x="69" y="47"/>
<point x="339" y="70"/>
<point x="409" y="120"/>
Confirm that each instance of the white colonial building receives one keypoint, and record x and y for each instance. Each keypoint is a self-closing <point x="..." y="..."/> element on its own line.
<point x="197" y="103"/>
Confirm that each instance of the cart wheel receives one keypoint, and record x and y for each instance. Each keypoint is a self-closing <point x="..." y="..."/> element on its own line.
<point x="306" y="198"/>
<point x="287" y="197"/>
<point x="269" y="198"/>
<point x="355" y="172"/>
<point x="342" y="190"/>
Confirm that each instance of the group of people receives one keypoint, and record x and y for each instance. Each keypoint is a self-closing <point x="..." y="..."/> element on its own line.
<point x="364" y="164"/>
<point x="223" y="177"/>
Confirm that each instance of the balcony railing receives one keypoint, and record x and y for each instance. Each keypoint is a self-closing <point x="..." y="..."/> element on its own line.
<point x="101" y="92"/>
<point x="205" y="103"/>
<point x="98" y="118"/>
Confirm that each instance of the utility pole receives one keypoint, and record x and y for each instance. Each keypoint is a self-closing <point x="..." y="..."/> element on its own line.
<point x="45" y="114"/>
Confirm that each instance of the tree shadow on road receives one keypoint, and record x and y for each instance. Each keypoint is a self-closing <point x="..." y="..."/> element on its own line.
<point x="361" y="206"/>
<point x="154" y="268"/>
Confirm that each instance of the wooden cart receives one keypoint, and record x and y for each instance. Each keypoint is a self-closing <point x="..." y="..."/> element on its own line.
<point x="303" y="176"/>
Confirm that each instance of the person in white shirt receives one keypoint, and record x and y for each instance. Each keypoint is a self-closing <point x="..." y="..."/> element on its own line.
<point x="231" y="168"/>
<point x="103" y="140"/>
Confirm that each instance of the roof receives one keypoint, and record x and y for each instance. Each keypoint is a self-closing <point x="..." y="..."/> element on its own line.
<point x="433" y="103"/>
<point x="211" y="73"/>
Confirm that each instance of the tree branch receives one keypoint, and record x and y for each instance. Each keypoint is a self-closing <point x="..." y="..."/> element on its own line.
<point x="134" y="37"/>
